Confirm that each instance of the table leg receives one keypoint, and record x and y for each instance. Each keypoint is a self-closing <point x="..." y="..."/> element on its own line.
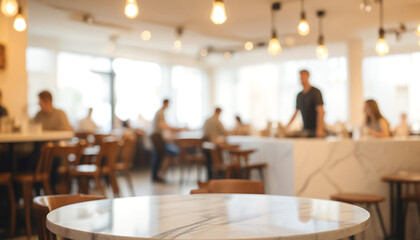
<point x="400" y="214"/>
<point x="392" y="208"/>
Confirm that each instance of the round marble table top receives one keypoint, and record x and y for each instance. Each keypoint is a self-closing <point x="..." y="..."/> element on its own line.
<point x="208" y="216"/>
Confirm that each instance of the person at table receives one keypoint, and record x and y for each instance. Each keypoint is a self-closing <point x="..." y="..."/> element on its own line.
<point x="87" y="125"/>
<point x="375" y="124"/>
<point x="240" y="128"/>
<point x="3" y="110"/>
<point x="215" y="132"/>
<point x="162" y="147"/>
<point x="403" y="129"/>
<point x="51" y="119"/>
<point x="310" y="104"/>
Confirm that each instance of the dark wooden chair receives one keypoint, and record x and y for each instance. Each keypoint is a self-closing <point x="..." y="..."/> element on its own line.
<point x="190" y="154"/>
<point x="240" y="159"/>
<point x="44" y="204"/>
<point x="27" y="180"/>
<point x="125" y="163"/>
<point x="6" y="181"/>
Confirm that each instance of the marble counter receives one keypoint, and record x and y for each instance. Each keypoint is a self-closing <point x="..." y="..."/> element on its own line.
<point x="214" y="216"/>
<point x="317" y="168"/>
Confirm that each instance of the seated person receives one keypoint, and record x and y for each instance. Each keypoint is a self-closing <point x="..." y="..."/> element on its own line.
<point x="240" y="128"/>
<point x="52" y="119"/>
<point x="376" y="125"/>
<point x="87" y="125"/>
<point x="403" y="129"/>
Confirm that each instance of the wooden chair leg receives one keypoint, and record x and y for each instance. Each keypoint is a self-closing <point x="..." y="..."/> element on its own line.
<point x="83" y="185"/>
<point x="27" y="197"/>
<point x="127" y="175"/>
<point x="98" y="185"/>
<point x="47" y="187"/>
<point x="114" y="184"/>
<point x="12" y="209"/>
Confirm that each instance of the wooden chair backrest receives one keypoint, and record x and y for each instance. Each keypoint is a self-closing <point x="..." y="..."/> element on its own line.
<point x="128" y="149"/>
<point x="238" y="156"/>
<point x="186" y="144"/>
<point x="44" y="204"/>
<point x="110" y="150"/>
<point x="44" y="163"/>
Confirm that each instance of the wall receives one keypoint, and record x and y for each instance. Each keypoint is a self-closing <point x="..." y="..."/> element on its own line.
<point x="13" y="82"/>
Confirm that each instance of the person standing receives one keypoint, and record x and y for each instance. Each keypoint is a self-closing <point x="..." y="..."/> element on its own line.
<point x="213" y="132"/>
<point x="3" y="110"/>
<point x="162" y="147"/>
<point x="51" y="119"/>
<point x="310" y="104"/>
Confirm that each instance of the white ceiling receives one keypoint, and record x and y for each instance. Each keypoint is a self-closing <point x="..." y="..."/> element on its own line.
<point x="248" y="20"/>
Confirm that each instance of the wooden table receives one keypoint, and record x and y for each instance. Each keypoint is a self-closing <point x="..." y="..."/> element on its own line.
<point x="396" y="180"/>
<point x="208" y="216"/>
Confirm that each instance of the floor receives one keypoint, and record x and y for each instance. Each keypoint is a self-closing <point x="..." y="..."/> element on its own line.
<point x="145" y="187"/>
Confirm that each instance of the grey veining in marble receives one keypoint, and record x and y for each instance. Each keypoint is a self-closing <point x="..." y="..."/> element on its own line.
<point x="208" y="216"/>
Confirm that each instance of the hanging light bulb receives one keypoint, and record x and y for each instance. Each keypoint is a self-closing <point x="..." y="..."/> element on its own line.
<point x="418" y="30"/>
<point x="218" y="13"/>
<point x="321" y="50"/>
<point x="249" y="46"/>
<point x="303" y="27"/>
<point x="274" y="46"/>
<point x="382" y="47"/>
<point x="204" y="52"/>
<point x="146" y="35"/>
<point x="365" y="6"/>
<point x="177" y="45"/>
<point x="227" y="54"/>
<point x="131" y="9"/>
<point x="9" y="7"/>
<point x="20" y="23"/>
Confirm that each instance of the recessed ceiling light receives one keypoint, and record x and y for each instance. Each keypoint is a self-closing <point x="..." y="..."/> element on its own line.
<point x="146" y="35"/>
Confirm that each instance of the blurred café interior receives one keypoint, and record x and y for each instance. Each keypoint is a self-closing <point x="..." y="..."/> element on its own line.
<point x="236" y="108"/>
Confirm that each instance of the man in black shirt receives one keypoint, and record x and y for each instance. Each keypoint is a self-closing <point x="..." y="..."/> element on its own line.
<point x="310" y="104"/>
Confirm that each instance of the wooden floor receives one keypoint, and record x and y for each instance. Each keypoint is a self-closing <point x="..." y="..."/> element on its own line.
<point x="145" y="187"/>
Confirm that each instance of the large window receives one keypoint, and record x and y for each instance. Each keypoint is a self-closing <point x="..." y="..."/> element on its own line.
<point x="267" y="92"/>
<point x="394" y="81"/>
<point x="79" y="82"/>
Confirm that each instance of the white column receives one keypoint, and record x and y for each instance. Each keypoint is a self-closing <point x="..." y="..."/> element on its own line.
<point x="356" y="100"/>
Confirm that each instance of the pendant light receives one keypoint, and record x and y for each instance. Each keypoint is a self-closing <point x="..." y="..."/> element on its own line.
<point x="218" y="13"/>
<point x="178" y="42"/>
<point x="382" y="47"/>
<point x="131" y="9"/>
<point x="418" y="30"/>
<point x="249" y="46"/>
<point x="365" y="6"/>
<point x="20" y="23"/>
<point x="321" y="50"/>
<point x="303" y="27"/>
<point x="274" y="46"/>
<point x="9" y="7"/>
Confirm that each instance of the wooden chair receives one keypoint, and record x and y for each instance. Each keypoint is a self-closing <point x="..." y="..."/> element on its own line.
<point x="125" y="163"/>
<point x="232" y="186"/>
<point x="226" y="162"/>
<point x="44" y="204"/>
<point x="366" y="200"/>
<point x="110" y="151"/>
<point x="6" y="181"/>
<point x="191" y="153"/>
<point x="84" y="171"/>
<point x="27" y="180"/>
<point x="70" y="153"/>
<point x="240" y="159"/>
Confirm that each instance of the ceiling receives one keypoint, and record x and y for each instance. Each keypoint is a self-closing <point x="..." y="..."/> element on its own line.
<point x="248" y="20"/>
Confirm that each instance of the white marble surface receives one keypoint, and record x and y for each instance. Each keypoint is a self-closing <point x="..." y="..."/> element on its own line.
<point x="317" y="168"/>
<point x="43" y="136"/>
<point x="208" y="217"/>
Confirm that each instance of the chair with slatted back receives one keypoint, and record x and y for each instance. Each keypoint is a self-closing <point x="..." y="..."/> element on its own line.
<point x="27" y="180"/>
<point x="232" y="186"/>
<point x="125" y="163"/>
<point x="6" y="181"/>
<point x="44" y="204"/>
<point x="224" y="152"/>
<point x="70" y="153"/>
<point x="84" y="171"/>
<point x="240" y="158"/>
<point x="110" y="149"/>
<point x="191" y="153"/>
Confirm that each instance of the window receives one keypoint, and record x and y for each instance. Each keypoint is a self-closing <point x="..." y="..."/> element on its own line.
<point x="393" y="81"/>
